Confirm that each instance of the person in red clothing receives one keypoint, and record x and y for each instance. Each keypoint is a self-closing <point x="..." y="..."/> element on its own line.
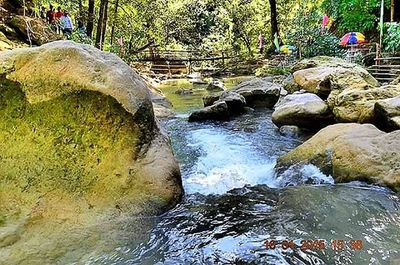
<point x="59" y="13"/>
<point x="50" y="15"/>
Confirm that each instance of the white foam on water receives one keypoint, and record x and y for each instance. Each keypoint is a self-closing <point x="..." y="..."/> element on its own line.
<point x="300" y="174"/>
<point x="315" y="173"/>
<point x="227" y="161"/>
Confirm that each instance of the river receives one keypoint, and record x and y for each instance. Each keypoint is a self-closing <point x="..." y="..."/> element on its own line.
<point x="235" y="203"/>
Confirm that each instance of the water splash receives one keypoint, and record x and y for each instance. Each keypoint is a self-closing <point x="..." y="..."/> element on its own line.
<point x="227" y="161"/>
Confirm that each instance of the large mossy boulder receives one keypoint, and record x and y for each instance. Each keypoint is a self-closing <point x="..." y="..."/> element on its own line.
<point x="355" y="105"/>
<point x="350" y="152"/>
<point x="321" y="75"/>
<point x="318" y="61"/>
<point x="387" y="113"/>
<point x="259" y="92"/>
<point x="303" y="110"/>
<point x="5" y="43"/>
<point x="82" y="156"/>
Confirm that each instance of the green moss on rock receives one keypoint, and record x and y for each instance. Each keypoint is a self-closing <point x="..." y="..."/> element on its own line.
<point x="82" y="156"/>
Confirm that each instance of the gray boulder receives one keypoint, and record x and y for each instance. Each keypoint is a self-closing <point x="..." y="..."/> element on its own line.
<point x="290" y="85"/>
<point x="234" y="101"/>
<point x="387" y="113"/>
<point x="304" y="110"/>
<point x="219" y="111"/>
<point x="209" y="100"/>
<point x="259" y="93"/>
<point x="215" y="85"/>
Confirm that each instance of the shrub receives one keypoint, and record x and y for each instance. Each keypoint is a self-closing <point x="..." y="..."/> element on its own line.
<point x="270" y="71"/>
<point x="391" y="40"/>
<point x="306" y="35"/>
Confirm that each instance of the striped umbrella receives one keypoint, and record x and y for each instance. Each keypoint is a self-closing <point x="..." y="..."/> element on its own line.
<point x="352" y="38"/>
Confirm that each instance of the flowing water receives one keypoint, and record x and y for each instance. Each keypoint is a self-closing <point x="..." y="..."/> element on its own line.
<point x="235" y="203"/>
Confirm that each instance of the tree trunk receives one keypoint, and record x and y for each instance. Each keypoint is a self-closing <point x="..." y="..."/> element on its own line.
<point x="115" y="15"/>
<point x="274" y="21"/>
<point x="101" y="24"/>
<point x="80" y="6"/>
<point x="90" y="23"/>
<point x="104" y="26"/>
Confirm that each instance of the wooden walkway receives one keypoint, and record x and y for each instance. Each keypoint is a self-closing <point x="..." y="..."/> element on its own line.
<point x="180" y="61"/>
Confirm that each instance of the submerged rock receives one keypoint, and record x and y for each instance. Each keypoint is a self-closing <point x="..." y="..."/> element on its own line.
<point x="290" y="130"/>
<point x="350" y="152"/>
<point x="209" y="100"/>
<point x="215" y="85"/>
<point x="218" y="111"/>
<point x="234" y="101"/>
<point x="304" y="110"/>
<point x="80" y="147"/>
<point x="387" y="113"/>
<point x="259" y="93"/>
<point x="184" y="92"/>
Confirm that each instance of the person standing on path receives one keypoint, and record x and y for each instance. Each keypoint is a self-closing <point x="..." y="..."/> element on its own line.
<point x="50" y="15"/>
<point x="66" y="25"/>
<point x="261" y="41"/>
<point x="58" y="15"/>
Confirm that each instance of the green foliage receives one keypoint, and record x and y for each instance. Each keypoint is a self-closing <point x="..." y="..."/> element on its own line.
<point x="229" y="25"/>
<point x="354" y="15"/>
<point x="81" y="37"/>
<point x="323" y="44"/>
<point x="307" y="36"/>
<point x="271" y="71"/>
<point x="391" y="40"/>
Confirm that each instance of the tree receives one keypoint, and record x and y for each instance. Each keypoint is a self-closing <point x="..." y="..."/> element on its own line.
<point x="355" y="15"/>
<point x="274" y="21"/>
<point x="115" y="17"/>
<point x="90" y="22"/>
<point x="102" y="24"/>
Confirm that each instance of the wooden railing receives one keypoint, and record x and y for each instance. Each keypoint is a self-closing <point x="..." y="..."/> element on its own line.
<point x="356" y="50"/>
<point x="171" y="61"/>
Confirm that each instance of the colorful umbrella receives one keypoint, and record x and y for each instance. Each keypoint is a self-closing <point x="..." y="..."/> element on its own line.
<point x="288" y="49"/>
<point x="352" y="38"/>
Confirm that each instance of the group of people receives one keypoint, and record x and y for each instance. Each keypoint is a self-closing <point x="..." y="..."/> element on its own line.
<point x="59" y="20"/>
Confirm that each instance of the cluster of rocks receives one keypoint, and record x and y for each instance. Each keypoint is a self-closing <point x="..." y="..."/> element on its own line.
<point x="254" y="93"/>
<point x="328" y="90"/>
<point x="343" y="92"/>
<point x="321" y="91"/>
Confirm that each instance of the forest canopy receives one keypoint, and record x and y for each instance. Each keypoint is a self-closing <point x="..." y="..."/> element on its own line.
<point x="211" y="25"/>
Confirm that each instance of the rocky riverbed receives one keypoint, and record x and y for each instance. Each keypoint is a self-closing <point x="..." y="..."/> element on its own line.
<point x="87" y="168"/>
